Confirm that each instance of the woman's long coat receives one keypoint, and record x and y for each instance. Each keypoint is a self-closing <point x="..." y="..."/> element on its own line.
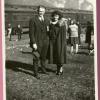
<point x="38" y="34"/>
<point x="57" y="44"/>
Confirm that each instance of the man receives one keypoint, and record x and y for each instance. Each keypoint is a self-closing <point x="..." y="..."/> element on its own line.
<point x="39" y="40"/>
<point x="89" y="30"/>
<point x="19" y="31"/>
<point x="79" y="31"/>
<point x="9" y="31"/>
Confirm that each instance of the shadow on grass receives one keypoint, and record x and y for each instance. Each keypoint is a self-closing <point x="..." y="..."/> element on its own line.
<point x="83" y="47"/>
<point x="84" y="53"/>
<point x="19" y="67"/>
<point x="26" y="52"/>
<point x="23" y="67"/>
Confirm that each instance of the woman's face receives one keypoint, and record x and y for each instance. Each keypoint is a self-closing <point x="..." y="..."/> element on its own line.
<point x="56" y="17"/>
<point x="72" y="22"/>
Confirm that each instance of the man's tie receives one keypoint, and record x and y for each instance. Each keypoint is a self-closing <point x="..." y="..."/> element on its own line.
<point x="42" y="19"/>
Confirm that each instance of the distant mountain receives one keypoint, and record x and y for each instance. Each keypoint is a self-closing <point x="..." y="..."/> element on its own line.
<point x="73" y="4"/>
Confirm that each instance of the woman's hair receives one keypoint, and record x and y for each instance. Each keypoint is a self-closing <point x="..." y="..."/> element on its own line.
<point x="74" y="21"/>
<point x="63" y="22"/>
<point x="57" y="13"/>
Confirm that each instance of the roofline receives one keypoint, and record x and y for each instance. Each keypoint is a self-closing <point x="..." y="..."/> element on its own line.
<point x="33" y="7"/>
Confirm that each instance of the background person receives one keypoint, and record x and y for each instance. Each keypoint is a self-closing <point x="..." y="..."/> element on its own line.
<point x="79" y="31"/>
<point x="19" y="31"/>
<point x="89" y="30"/>
<point x="74" y="40"/>
<point x="9" y="31"/>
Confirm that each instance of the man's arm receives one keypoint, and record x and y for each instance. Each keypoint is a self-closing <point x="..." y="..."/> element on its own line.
<point x="21" y="31"/>
<point x="31" y="33"/>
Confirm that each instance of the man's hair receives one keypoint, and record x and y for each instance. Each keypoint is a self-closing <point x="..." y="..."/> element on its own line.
<point x="40" y="6"/>
<point x="88" y="23"/>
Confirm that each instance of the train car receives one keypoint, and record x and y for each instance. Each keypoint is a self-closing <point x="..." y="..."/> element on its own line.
<point x="17" y="14"/>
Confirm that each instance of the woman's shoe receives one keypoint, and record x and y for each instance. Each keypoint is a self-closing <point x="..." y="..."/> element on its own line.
<point x="61" y="73"/>
<point x="59" y="69"/>
<point x="37" y="77"/>
<point x="57" y="72"/>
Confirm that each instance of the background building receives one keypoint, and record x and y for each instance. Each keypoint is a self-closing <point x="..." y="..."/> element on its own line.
<point x="20" y="11"/>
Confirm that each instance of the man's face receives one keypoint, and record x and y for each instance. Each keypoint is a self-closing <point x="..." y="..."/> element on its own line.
<point x="41" y="11"/>
<point x="72" y="22"/>
<point x="18" y="26"/>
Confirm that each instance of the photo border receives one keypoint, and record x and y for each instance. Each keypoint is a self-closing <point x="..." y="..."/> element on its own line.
<point x="1" y="54"/>
<point x="96" y="42"/>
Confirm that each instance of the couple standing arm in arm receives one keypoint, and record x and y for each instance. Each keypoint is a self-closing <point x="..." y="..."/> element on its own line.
<point x="47" y="39"/>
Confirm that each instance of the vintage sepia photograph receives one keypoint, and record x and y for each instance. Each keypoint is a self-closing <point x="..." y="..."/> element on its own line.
<point x="50" y="50"/>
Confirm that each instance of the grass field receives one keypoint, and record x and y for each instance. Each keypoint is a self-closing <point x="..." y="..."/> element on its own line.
<point x="77" y="82"/>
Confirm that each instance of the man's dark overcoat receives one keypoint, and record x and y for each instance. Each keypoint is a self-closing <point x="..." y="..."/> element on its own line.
<point x="38" y="34"/>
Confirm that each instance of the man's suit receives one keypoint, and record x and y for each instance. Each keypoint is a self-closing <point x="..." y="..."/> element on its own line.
<point x="38" y="34"/>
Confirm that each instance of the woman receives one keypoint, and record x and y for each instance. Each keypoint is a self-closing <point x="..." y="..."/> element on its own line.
<point x="57" y="36"/>
<point x="74" y="36"/>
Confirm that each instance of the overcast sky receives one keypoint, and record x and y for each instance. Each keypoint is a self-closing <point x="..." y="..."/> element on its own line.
<point x="74" y="4"/>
